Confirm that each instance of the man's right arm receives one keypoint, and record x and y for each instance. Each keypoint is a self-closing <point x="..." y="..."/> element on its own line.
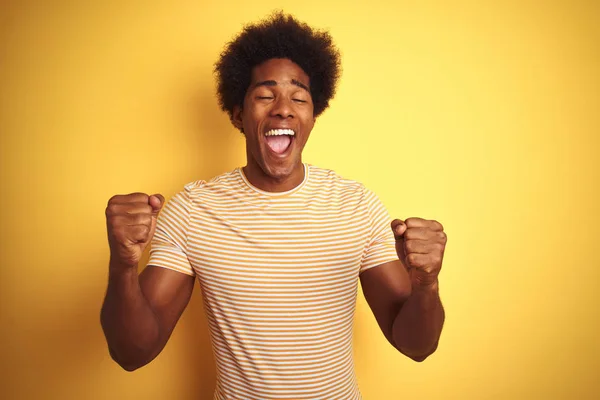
<point x="139" y="312"/>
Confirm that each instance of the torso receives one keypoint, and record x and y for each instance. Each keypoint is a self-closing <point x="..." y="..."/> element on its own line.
<point x="278" y="274"/>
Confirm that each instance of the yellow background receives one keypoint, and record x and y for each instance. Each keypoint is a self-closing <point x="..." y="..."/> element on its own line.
<point x="482" y="115"/>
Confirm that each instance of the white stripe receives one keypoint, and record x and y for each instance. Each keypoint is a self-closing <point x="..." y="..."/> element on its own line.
<point x="279" y="278"/>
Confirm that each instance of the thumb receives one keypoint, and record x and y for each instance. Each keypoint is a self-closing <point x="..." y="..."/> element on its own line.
<point x="156" y="201"/>
<point x="398" y="227"/>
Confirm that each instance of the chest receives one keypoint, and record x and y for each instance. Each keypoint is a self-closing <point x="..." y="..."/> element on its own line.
<point x="312" y="242"/>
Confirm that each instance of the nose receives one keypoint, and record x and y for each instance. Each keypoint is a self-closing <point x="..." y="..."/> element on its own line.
<point x="282" y="108"/>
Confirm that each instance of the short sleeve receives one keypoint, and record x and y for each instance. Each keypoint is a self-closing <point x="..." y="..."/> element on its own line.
<point x="381" y="246"/>
<point x="168" y="248"/>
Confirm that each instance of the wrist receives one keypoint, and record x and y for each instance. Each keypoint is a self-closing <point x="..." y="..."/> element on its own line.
<point x="425" y="297"/>
<point x="116" y="266"/>
<point x="425" y="287"/>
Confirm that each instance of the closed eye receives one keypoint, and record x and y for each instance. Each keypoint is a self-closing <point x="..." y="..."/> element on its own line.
<point x="299" y="100"/>
<point x="264" y="97"/>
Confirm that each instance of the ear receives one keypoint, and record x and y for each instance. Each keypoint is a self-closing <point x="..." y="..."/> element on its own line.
<point x="236" y="118"/>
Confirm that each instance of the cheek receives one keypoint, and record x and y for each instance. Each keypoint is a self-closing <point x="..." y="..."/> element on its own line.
<point x="309" y="118"/>
<point x="309" y="124"/>
<point x="255" y="116"/>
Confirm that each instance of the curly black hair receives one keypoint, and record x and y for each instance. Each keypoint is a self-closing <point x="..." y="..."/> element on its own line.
<point x="278" y="36"/>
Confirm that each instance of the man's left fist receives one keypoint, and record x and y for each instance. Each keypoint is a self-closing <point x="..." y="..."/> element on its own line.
<point x="420" y="245"/>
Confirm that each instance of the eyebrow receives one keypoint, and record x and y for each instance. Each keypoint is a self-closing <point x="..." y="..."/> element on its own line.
<point x="274" y="83"/>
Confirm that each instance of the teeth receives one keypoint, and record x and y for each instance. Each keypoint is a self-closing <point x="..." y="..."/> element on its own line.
<point x="279" y="132"/>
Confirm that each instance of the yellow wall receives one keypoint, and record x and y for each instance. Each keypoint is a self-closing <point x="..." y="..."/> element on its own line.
<point x="483" y="115"/>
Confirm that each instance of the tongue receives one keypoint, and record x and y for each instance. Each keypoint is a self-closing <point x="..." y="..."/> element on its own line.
<point x="279" y="144"/>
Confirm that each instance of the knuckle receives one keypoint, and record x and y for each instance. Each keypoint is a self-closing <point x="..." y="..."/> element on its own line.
<point x="413" y="258"/>
<point x="138" y="196"/>
<point x="144" y="219"/>
<point x="443" y="236"/>
<point x="111" y="208"/>
<point x="112" y="221"/>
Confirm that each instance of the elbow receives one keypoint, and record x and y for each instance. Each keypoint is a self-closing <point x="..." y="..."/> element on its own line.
<point x="132" y="354"/>
<point x="418" y="356"/>
<point x="130" y="367"/>
<point x="127" y="365"/>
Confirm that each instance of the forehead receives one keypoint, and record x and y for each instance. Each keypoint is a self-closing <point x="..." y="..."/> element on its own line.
<point x="280" y="70"/>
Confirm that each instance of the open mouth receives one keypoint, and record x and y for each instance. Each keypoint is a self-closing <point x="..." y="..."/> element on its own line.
<point x="279" y="141"/>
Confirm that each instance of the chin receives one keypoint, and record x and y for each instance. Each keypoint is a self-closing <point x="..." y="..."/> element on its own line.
<point x="280" y="171"/>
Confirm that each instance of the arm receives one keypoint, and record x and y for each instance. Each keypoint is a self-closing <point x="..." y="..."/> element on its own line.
<point x="404" y="295"/>
<point x="411" y="318"/>
<point x="139" y="313"/>
<point x="418" y="326"/>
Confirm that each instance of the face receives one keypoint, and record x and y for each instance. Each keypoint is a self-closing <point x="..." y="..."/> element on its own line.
<point x="277" y="104"/>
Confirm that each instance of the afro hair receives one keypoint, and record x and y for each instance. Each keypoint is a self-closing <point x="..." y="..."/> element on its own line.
<point x="278" y="36"/>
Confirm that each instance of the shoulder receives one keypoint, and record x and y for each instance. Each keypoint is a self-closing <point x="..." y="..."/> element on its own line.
<point x="201" y="188"/>
<point x="225" y="180"/>
<point x="347" y="190"/>
<point x="328" y="179"/>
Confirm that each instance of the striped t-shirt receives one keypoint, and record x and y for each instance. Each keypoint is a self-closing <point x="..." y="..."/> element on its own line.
<point x="279" y="277"/>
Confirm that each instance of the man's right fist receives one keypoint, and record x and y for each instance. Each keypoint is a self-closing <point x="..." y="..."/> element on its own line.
<point x="131" y="221"/>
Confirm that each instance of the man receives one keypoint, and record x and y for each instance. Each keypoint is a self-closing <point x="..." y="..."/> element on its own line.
<point x="278" y="246"/>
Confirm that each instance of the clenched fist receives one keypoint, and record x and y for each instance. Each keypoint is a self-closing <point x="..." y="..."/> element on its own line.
<point x="420" y="245"/>
<point x="131" y="221"/>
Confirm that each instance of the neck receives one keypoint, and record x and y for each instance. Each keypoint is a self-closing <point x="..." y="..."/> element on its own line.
<point x="259" y="179"/>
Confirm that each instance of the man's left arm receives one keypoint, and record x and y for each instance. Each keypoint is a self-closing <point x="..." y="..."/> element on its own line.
<point x="404" y="294"/>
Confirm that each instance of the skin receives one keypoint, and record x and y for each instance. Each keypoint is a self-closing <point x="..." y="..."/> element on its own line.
<point x="404" y="294"/>
<point x="278" y="97"/>
<point x="139" y="313"/>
